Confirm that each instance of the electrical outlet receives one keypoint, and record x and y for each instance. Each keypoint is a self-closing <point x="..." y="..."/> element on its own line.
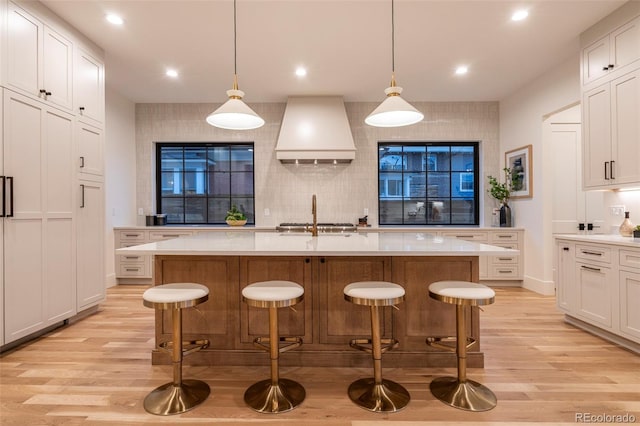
<point x="616" y="210"/>
<point x="366" y="211"/>
<point x="267" y="212"/>
<point x="140" y="211"/>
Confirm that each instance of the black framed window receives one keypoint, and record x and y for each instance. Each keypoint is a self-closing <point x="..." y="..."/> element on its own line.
<point x="196" y="183"/>
<point x="428" y="183"/>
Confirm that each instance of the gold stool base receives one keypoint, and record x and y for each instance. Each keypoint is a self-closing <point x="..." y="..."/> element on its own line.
<point x="386" y="397"/>
<point x="170" y="399"/>
<point x="469" y="395"/>
<point x="265" y="397"/>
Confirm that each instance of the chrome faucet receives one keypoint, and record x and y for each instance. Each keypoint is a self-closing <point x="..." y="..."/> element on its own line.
<point x="314" y="212"/>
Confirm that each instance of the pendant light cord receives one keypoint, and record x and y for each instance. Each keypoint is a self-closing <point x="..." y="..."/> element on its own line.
<point x="393" y="46"/>
<point x="393" y="40"/>
<point x="235" y="49"/>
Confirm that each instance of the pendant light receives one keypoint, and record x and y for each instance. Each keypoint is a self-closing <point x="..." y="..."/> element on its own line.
<point x="235" y="114"/>
<point x="393" y="111"/>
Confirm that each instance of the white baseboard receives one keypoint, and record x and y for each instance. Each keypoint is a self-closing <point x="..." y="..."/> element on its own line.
<point x="111" y="280"/>
<point x="546" y="288"/>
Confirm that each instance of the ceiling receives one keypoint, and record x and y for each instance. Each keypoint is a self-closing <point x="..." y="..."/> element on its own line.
<point x="345" y="46"/>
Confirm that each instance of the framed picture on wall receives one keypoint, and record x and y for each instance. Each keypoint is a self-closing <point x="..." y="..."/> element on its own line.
<point x="519" y="161"/>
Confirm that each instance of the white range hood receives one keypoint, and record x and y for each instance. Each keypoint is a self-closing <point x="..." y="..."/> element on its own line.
<point x="315" y="129"/>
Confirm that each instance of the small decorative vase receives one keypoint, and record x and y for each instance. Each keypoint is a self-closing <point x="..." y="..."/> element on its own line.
<point x="626" y="227"/>
<point x="505" y="215"/>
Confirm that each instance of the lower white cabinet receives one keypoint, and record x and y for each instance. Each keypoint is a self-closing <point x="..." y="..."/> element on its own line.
<point x="90" y="243"/>
<point x="134" y="267"/>
<point x="599" y="284"/>
<point x="497" y="268"/>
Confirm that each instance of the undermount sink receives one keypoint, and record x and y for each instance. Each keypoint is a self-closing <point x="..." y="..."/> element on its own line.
<point x="322" y="227"/>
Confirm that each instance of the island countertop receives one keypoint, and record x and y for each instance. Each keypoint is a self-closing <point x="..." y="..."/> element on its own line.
<point x="340" y="244"/>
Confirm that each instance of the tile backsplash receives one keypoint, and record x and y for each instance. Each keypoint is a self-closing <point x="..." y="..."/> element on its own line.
<point x="344" y="190"/>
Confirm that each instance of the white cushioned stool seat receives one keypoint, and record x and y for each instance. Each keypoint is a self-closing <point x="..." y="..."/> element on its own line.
<point x="462" y="293"/>
<point x="378" y="293"/>
<point x="175" y="295"/>
<point x="273" y="293"/>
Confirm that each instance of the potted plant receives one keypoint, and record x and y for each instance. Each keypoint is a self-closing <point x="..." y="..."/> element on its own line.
<point x="636" y="232"/>
<point x="235" y="217"/>
<point x="501" y="192"/>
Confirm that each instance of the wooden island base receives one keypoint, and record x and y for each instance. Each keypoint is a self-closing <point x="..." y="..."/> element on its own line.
<point x="324" y="320"/>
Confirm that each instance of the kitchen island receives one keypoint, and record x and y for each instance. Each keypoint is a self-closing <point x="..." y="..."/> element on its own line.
<point x="323" y="265"/>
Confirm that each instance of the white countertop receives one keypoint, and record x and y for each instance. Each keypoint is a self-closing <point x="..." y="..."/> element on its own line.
<point x="295" y="244"/>
<point x="602" y="239"/>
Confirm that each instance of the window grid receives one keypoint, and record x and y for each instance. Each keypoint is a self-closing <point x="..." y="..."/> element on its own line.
<point x="196" y="183"/>
<point x="428" y="183"/>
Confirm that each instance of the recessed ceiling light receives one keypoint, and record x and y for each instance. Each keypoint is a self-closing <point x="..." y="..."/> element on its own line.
<point x="462" y="69"/>
<point x="172" y="73"/>
<point x="301" y="71"/>
<point x="115" y="19"/>
<point x="520" y="15"/>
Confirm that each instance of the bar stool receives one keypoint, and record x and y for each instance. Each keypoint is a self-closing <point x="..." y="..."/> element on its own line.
<point x="460" y="392"/>
<point x="180" y="395"/>
<point x="274" y="395"/>
<point x="375" y="393"/>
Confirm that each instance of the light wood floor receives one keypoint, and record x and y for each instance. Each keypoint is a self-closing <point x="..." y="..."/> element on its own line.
<point x="98" y="371"/>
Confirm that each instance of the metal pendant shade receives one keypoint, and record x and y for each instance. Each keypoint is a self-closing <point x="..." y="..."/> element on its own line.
<point x="393" y="111"/>
<point x="235" y="114"/>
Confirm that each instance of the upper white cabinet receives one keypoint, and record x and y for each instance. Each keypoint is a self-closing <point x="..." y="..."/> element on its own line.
<point x="612" y="52"/>
<point x="611" y="100"/>
<point x="89" y="88"/>
<point x="611" y="152"/>
<point x="90" y="152"/>
<point x="39" y="59"/>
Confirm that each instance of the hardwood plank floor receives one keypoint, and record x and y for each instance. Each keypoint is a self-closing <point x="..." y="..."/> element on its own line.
<point x="98" y="371"/>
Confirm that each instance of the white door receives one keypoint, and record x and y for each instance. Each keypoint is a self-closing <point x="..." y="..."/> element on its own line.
<point x="2" y="215"/>
<point x="571" y="206"/>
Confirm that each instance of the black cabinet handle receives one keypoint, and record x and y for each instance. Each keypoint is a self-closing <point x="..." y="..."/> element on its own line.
<point x="605" y="170"/>
<point x="322" y="260"/>
<point x="82" y="197"/>
<point x="581" y="226"/>
<point x="590" y="268"/>
<point x="81" y="162"/>
<point x="4" y="198"/>
<point x="81" y="110"/>
<point x="611" y="170"/>
<point x="565" y="248"/>
<point x="47" y="93"/>
<point x="10" y="180"/>
<point x="307" y="260"/>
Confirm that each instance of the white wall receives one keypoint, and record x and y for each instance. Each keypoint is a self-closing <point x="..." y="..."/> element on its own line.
<point x="120" y="163"/>
<point x="521" y="117"/>
<point x="343" y="191"/>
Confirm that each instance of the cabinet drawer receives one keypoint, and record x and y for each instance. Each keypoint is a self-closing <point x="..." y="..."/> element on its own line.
<point x="132" y="270"/>
<point x="129" y="258"/>
<point x="505" y="259"/>
<point x="505" y="271"/>
<point x="593" y="253"/>
<point x="630" y="258"/>
<point x="467" y="235"/>
<point x="132" y="236"/>
<point x="497" y="237"/>
<point x="166" y="235"/>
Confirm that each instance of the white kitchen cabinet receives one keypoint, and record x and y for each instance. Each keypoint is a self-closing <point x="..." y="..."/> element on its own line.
<point x="594" y="297"/>
<point x="90" y="152"/>
<point x="3" y="211"/>
<point x="598" y="286"/>
<point x="496" y="268"/>
<point x="611" y="53"/>
<point x="131" y="268"/>
<point x="89" y="88"/>
<point x="39" y="59"/>
<point x="39" y="252"/>
<point x="611" y="133"/>
<point x="91" y="287"/>
<point x="566" y="274"/>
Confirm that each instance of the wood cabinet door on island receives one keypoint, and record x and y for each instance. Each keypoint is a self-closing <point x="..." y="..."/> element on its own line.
<point x="215" y="319"/>
<point x="296" y="322"/>
<point x="340" y="321"/>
